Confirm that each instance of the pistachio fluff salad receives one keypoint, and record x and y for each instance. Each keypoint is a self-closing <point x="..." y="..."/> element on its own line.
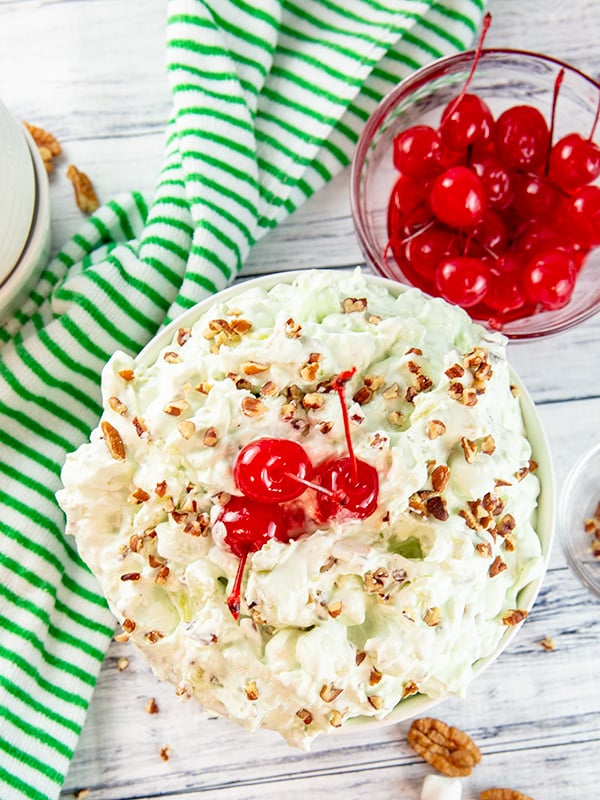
<point x="315" y="501"/>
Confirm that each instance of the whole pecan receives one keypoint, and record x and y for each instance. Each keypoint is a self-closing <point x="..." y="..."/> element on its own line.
<point x="449" y="750"/>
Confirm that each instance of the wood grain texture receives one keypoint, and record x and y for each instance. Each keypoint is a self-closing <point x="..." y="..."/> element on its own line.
<point x="92" y="72"/>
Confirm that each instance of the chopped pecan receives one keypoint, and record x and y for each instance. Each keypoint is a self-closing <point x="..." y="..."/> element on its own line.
<point x="409" y="688"/>
<point x="391" y="392"/>
<point x="183" y="336"/>
<point x="268" y="389"/>
<point x="85" y="194"/>
<point x="240" y="326"/>
<point x="375" y="677"/>
<point x="253" y="407"/>
<point x="435" y="428"/>
<point x="309" y="371"/>
<point x="469" y="449"/>
<point x="165" y="752"/>
<point x="448" y="749"/>
<point x="162" y="575"/>
<point x="335" y="718"/>
<point x="211" y="437"/>
<point x="503" y="794"/>
<point x="329" y="692"/>
<point x="117" y="406"/>
<point x="455" y="371"/>
<point x="113" y="441"/>
<point x="395" y="418"/>
<point x="137" y="496"/>
<point x="305" y="715"/>
<point x="130" y="576"/>
<point x="436" y="506"/>
<point x="128" y="625"/>
<point x="376" y="701"/>
<point x="432" y="617"/>
<point x="335" y="609"/>
<point x="151" y="706"/>
<point x="496" y="567"/>
<point x="292" y="329"/>
<point x="548" y="643"/>
<point x="254" y="367"/>
<point x="251" y="690"/>
<point x="175" y="407"/>
<point x="140" y="426"/>
<point x="440" y="477"/>
<point x="127" y="374"/>
<point x="171" y="357"/>
<point x="186" y="428"/>
<point x="351" y="304"/>
<point x="313" y="400"/>
<point x="514" y="616"/>
<point x="363" y="395"/>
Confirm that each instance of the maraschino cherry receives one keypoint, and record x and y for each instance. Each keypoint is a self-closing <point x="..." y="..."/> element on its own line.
<point x="272" y="470"/>
<point x="248" y="526"/>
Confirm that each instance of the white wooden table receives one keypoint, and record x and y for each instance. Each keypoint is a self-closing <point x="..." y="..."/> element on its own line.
<point x="91" y="71"/>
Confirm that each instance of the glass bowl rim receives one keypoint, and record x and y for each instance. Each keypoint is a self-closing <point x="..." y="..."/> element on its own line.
<point x="564" y="527"/>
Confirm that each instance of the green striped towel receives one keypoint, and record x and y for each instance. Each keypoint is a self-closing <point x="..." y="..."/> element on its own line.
<point x="268" y="102"/>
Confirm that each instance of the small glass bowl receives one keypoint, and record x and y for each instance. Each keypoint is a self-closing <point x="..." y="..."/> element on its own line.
<point x="503" y="78"/>
<point x="579" y="501"/>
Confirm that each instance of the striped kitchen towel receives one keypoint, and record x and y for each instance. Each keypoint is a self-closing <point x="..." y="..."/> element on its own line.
<point x="268" y="100"/>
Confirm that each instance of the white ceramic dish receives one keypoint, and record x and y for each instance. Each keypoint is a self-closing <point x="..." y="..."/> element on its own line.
<point x="418" y="704"/>
<point x="17" y="193"/>
<point x="18" y="278"/>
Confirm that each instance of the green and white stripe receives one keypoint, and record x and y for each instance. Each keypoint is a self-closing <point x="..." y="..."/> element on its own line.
<point x="268" y="101"/>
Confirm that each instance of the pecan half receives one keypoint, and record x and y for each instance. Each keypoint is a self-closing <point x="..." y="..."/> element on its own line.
<point x="85" y="194"/>
<point x="113" y="440"/>
<point x="503" y="794"/>
<point x="448" y="749"/>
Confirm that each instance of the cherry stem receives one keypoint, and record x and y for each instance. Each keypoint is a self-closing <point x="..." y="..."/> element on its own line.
<point x="338" y="384"/>
<point x="596" y="118"/>
<point x="310" y="484"/>
<point x="557" y="85"/>
<point x="234" y="599"/>
<point x="485" y="26"/>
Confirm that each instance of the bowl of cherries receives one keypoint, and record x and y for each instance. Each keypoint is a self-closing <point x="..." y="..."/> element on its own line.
<point x="477" y="179"/>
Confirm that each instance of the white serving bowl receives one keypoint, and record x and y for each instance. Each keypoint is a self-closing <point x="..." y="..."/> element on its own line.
<point x="417" y="704"/>
<point x="24" y="213"/>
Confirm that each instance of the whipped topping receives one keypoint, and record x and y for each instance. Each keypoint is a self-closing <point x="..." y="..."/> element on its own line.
<point x="353" y="616"/>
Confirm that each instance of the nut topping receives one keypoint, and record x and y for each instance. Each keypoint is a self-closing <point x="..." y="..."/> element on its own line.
<point x="254" y="367"/>
<point x="253" y="407"/>
<point x="496" y="567"/>
<point x="329" y="693"/>
<point x="514" y="616"/>
<point x="351" y="304"/>
<point x="435" y="428"/>
<point x="113" y="440"/>
<point x="503" y="794"/>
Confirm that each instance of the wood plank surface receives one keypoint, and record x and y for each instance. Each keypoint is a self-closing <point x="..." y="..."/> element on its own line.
<point x="92" y="72"/>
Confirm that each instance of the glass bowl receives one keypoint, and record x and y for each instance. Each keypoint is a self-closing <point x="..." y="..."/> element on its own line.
<point x="580" y="501"/>
<point x="503" y="78"/>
